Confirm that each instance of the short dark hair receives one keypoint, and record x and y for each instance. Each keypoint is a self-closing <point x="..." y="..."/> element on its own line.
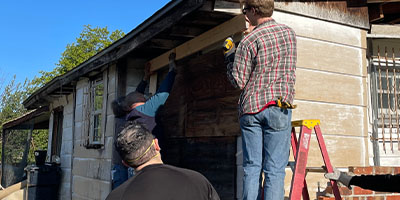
<point x="122" y="105"/>
<point x="119" y="107"/>
<point x="135" y="144"/>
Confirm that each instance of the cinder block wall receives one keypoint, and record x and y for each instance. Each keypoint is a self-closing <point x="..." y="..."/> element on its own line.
<point x="66" y="145"/>
<point x="91" y="168"/>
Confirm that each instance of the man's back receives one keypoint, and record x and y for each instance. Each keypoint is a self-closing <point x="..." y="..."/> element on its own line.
<point x="161" y="181"/>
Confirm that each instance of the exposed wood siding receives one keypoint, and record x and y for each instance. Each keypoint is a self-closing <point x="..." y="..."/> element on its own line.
<point x="202" y="102"/>
<point x="214" y="157"/>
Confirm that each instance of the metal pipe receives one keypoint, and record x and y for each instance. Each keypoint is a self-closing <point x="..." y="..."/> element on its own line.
<point x="381" y="98"/>
<point x="389" y="110"/>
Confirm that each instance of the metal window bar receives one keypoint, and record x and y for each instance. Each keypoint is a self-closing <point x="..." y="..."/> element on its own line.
<point x="388" y="91"/>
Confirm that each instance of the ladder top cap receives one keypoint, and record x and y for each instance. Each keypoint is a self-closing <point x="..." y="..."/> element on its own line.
<point x="309" y="123"/>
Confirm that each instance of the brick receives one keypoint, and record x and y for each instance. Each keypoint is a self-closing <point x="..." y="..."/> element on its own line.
<point x="383" y="170"/>
<point x="393" y="197"/>
<point x="345" y="191"/>
<point x="361" y="170"/>
<point x="375" y="198"/>
<point x="396" y="170"/>
<point x="360" y="191"/>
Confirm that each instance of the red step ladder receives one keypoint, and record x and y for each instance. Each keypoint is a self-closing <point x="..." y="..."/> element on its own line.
<point x="300" y="152"/>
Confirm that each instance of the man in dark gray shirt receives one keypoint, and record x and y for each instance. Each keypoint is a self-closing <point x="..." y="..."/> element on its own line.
<point x="154" y="180"/>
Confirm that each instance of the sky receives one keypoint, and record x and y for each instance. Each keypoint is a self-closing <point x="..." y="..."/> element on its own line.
<point x="33" y="34"/>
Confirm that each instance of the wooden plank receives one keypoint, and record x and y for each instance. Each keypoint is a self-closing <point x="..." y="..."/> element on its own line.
<point x="208" y="38"/>
<point x="321" y="30"/>
<point x="336" y="119"/>
<point x="330" y="57"/>
<point x="330" y="11"/>
<point x="336" y="88"/>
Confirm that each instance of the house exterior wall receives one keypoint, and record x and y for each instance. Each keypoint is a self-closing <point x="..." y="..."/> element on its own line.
<point x="91" y="168"/>
<point x="66" y="144"/>
<point x="331" y="85"/>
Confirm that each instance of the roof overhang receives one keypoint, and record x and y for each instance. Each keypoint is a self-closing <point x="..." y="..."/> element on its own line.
<point x="167" y="16"/>
<point x="34" y="119"/>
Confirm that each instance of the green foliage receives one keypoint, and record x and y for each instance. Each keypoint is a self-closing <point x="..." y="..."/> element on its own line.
<point x="90" y="42"/>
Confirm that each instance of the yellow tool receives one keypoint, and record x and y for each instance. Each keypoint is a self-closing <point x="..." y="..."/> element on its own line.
<point x="228" y="45"/>
<point x="286" y="105"/>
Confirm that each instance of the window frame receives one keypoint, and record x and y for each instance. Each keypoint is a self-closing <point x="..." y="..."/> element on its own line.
<point x="92" y="112"/>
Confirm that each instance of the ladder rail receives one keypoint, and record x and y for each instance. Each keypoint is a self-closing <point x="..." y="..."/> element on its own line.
<point x="300" y="148"/>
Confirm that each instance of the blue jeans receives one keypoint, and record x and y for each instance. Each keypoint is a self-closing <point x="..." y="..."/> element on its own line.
<point x="120" y="174"/>
<point x="266" y="146"/>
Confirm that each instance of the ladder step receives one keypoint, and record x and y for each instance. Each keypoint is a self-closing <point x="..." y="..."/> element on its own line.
<point x="291" y="164"/>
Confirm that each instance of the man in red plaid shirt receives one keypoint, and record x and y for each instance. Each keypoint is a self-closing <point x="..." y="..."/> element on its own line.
<point x="263" y="67"/>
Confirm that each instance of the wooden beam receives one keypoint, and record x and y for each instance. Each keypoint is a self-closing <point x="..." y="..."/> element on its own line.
<point x="153" y="84"/>
<point x="375" y="12"/>
<point x="229" y="28"/>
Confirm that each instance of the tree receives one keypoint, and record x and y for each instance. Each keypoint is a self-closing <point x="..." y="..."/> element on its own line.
<point x="90" y="42"/>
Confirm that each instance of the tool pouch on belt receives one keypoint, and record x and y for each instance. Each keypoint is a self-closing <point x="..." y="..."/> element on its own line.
<point x="285" y="105"/>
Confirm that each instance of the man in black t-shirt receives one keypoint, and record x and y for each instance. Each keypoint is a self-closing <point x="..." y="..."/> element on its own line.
<point x="154" y="180"/>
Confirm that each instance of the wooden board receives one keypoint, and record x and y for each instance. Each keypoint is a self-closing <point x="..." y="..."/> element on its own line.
<point x="329" y="87"/>
<point x="330" y="57"/>
<point x="202" y="101"/>
<point x="322" y="30"/>
<point x="208" y="38"/>
<point x="336" y="119"/>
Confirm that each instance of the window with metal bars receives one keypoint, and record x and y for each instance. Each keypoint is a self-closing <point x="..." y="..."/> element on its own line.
<point x="385" y="96"/>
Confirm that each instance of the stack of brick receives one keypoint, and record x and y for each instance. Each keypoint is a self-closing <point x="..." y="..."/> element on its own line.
<point x="357" y="193"/>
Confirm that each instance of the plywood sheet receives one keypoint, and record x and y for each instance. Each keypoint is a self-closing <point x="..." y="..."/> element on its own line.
<point x="329" y="87"/>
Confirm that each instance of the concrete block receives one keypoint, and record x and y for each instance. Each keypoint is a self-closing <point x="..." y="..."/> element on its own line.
<point x="111" y="98"/>
<point x="82" y="152"/>
<point x="78" y="130"/>
<point x="67" y="134"/>
<point x="90" y="188"/>
<point x="65" y="161"/>
<point x="79" y="113"/>
<point x="69" y="106"/>
<point x="67" y="121"/>
<point x="110" y="126"/>
<point x="79" y="96"/>
<point x="111" y="83"/>
<point x="66" y="177"/>
<point x="99" y="169"/>
<point x="66" y="147"/>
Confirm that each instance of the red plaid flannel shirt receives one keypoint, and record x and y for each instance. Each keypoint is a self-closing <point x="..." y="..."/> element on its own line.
<point x="264" y="66"/>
